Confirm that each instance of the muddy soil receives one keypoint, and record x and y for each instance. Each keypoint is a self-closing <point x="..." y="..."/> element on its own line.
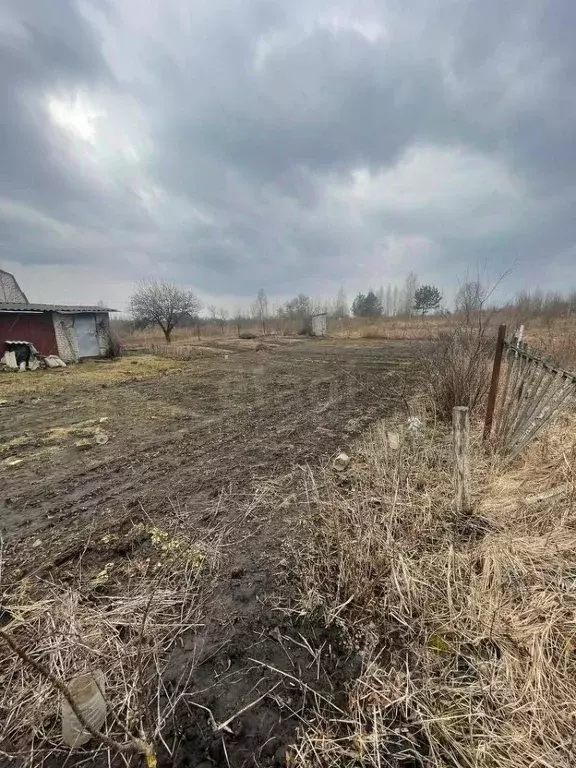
<point x="197" y="442"/>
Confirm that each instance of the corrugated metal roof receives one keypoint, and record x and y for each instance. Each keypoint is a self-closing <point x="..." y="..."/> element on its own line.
<point x="10" y="306"/>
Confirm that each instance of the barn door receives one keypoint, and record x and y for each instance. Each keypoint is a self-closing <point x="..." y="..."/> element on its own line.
<point x="85" y="326"/>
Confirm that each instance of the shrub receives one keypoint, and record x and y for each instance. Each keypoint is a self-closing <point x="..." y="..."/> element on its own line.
<point x="457" y="369"/>
<point x="115" y="348"/>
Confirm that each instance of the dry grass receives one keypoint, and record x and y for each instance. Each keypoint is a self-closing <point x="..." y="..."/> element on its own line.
<point x="151" y="337"/>
<point x="121" y="617"/>
<point x="466" y="625"/>
<point x="392" y="328"/>
<point x="456" y="368"/>
<point x="93" y="372"/>
<point x="554" y="338"/>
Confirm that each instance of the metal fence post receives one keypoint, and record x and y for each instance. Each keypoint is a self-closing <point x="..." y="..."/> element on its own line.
<point x="461" y="436"/>
<point x="493" y="393"/>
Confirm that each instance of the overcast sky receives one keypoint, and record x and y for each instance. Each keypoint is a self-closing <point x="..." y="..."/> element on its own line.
<point x="294" y="145"/>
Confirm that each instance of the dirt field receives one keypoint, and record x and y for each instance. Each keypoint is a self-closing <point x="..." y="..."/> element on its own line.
<point x="89" y="452"/>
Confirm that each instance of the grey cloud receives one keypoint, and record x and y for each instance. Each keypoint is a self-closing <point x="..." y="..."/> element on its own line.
<point x="257" y="117"/>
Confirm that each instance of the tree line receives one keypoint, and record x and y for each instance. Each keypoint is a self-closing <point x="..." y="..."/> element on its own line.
<point x="167" y="305"/>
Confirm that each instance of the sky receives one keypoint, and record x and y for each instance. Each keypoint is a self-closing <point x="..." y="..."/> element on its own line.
<point x="290" y="145"/>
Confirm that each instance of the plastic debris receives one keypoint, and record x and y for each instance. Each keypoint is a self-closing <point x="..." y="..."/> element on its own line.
<point x="12" y="461"/>
<point x="341" y="462"/>
<point x="87" y="691"/>
<point x="393" y="440"/>
<point x="415" y="426"/>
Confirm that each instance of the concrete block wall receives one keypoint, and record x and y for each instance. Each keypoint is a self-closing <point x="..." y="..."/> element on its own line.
<point x="66" y="338"/>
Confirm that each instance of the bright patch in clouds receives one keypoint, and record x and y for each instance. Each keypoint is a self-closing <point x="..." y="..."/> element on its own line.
<point x="436" y="188"/>
<point x="75" y="115"/>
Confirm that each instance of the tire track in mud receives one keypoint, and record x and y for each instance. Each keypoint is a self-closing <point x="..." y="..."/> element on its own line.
<point x="182" y="440"/>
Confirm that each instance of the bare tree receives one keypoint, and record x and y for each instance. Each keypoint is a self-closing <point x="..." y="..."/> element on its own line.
<point x="395" y="301"/>
<point x="260" y="308"/>
<point x="381" y="299"/>
<point x="222" y="317"/>
<point x="469" y="298"/>
<point x="388" y="306"/>
<point x="162" y="303"/>
<point x="410" y="288"/>
<point x="341" y="306"/>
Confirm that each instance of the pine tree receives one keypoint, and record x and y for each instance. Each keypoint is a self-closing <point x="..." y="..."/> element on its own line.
<point x="427" y="297"/>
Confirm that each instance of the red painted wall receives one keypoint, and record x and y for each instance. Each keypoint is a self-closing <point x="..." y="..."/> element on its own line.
<point x="37" y="328"/>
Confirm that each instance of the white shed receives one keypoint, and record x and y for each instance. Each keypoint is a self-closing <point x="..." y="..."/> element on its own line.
<point x="319" y="324"/>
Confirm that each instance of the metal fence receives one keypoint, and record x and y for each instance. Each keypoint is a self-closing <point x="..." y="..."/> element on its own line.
<point x="526" y="397"/>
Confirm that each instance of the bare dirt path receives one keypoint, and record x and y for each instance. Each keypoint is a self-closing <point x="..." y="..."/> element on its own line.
<point x="196" y="442"/>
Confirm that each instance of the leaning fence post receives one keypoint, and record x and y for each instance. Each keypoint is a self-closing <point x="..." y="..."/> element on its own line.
<point x="461" y="435"/>
<point x="493" y="393"/>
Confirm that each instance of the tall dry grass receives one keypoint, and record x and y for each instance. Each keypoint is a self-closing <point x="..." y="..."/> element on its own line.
<point x="456" y="368"/>
<point x="465" y="624"/>
<point x="554" y="338"/>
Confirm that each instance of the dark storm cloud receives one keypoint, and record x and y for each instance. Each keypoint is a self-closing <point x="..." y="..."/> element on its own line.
<point x="291" y="145"/>
<point x="45" y="47"/>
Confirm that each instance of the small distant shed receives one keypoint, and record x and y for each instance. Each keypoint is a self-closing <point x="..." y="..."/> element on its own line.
<point x="319" y="324"/>
<point x="71" y="332"/>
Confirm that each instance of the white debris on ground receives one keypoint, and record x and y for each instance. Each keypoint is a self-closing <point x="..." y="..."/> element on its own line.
<point x="9" y="360"/>
<point x="341" y="462"/>
<point x="415" y="426"/>
<point x="53" y="361"/>
<point x="23" y="356"/>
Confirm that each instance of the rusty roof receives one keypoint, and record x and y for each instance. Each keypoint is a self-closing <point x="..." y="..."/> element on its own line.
<point x="13" y="306"/>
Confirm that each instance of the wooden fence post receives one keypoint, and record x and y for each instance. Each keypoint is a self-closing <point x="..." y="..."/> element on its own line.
<point x="461" y="435"/>
<point x="493" y="393"/>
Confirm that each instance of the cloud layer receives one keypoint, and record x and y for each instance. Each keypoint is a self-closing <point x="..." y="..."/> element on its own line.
<point x="294" y="145"/>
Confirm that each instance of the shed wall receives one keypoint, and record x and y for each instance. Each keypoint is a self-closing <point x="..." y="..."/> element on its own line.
<point x="68" y="340"/>
<point x="36" y="328"/>
<point x="66" y="337"/>
<point x="319" y="325"/>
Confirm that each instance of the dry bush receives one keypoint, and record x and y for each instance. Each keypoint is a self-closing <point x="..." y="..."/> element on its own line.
<point x="465" y="625"/>
<point x="123" y="619"/>
<point x="115" y="348"/>
<point x="456" y="369"/>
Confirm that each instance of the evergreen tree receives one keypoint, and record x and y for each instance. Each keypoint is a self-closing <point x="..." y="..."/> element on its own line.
<point x="427" y="297"/>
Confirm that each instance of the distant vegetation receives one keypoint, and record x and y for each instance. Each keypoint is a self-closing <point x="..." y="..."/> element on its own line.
<point x="413" y="311"/>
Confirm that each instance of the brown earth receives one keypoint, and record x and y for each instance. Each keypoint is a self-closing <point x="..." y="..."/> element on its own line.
<point x="194" y="442"/>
